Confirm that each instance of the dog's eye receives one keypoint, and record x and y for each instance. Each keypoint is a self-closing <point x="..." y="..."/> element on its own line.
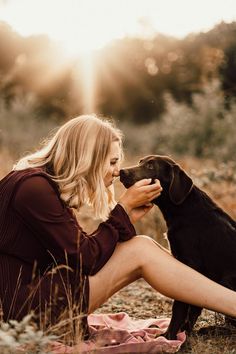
<point x="150" y="165"/>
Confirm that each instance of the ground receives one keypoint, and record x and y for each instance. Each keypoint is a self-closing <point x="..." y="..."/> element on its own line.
<point x="139" y="300"/>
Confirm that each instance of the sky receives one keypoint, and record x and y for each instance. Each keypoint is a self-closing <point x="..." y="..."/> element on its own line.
<point x="85" y="25"/>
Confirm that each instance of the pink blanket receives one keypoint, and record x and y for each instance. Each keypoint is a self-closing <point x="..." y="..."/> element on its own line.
<point x="118" y="333"/>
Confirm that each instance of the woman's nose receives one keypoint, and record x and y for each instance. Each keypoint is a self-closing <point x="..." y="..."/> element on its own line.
<point x="116" y="172"/>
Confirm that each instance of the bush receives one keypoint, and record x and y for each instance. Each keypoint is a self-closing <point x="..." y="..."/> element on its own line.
<point x="23" y="337"/>
<point x="205" y="129"/>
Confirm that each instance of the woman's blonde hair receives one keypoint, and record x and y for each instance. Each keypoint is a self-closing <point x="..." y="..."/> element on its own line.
<point x="75" y="159"/>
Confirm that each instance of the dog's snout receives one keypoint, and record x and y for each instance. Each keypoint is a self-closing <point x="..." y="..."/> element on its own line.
<point x="123" y="174"/>
<point x="126" y="177"/>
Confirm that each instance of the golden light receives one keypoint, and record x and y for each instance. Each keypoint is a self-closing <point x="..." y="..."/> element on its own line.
<point x="88" y="83"/>
<point x="79" y="25"/>
<point x="82" y="26"/>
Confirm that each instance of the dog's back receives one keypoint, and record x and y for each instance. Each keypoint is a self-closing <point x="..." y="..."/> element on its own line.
<point x="202" y="235"/>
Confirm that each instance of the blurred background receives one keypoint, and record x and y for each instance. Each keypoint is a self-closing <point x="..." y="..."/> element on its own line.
<point x="165" y="71"/>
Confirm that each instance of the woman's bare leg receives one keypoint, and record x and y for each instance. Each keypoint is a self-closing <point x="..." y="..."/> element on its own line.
<point x="141" y="257"/>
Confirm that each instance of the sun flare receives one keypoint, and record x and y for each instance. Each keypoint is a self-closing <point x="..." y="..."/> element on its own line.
<point x="81" y="27"/>
<point x="85" y="25"/>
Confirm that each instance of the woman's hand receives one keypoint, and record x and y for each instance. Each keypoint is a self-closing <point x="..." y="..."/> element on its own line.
<point x="136" y="199"/>
<point x="137" y="213"/>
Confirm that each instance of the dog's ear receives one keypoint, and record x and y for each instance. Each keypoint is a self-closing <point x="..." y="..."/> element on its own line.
<point x="180" y="186"/>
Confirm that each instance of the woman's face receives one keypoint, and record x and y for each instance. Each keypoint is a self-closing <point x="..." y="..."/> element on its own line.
<point x="112" y="165"/>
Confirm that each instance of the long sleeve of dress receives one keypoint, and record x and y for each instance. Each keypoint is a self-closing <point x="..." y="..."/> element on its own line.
<point x="38" y="204"/>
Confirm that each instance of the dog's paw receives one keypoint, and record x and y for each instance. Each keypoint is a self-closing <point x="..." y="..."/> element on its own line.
<point x="170" y="336"/>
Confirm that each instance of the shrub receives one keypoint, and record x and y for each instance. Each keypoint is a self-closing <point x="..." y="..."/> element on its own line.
<point x="205" y="129"/>
<point x="23" y="336"/>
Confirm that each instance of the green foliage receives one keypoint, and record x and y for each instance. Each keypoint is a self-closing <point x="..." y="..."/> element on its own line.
<point x="206" y="129"/>
<point x="228" y="71"/>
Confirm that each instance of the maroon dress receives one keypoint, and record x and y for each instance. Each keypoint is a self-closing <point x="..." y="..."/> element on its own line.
<point x="45" y="256"/>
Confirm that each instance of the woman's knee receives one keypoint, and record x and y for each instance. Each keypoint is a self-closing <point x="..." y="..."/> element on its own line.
<point x="139" y="244"/>
<point x="135" y="251"/>
<point x="147" y="241"/>
<point x="142" y="241"/>
<point x="145" y="246"/>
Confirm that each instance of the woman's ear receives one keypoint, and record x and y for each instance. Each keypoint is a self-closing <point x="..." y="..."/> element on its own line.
<point x="180" y="186"/>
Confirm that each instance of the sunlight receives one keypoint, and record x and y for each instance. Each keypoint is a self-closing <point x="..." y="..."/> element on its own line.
<point x="79" y="26"/>
<point x="88" y="82"/>
<point x="82" y="25"/>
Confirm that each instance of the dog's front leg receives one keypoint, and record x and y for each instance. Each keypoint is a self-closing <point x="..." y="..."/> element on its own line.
<point x="179" y="317"/>
<point x="192" y="316"/>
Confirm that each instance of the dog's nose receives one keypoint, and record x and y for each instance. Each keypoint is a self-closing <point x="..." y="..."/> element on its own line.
<point x="123" y="174"/>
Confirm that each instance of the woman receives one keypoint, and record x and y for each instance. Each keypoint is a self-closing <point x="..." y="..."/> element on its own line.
<point x="49" y="264"/>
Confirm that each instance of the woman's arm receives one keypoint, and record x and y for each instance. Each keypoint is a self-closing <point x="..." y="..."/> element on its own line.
<point x="53" y="225"/>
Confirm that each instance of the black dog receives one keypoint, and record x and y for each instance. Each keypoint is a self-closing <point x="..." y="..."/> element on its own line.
<point x="201" y="234"/>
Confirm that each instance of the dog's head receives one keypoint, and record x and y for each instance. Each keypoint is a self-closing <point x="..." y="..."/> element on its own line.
<point x="173" y="179"/>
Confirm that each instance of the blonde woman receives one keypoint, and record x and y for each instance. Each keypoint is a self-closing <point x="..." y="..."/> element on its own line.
<point x="49" y="264"/>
